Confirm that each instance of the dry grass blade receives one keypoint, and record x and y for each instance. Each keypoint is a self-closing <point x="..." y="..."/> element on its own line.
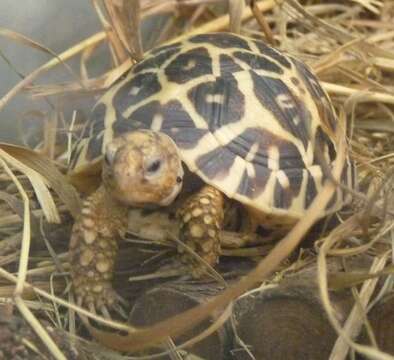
<point x="340" y="281"/>
<point x="24" y="258"/>
<point x="356" y="318"/>
<point x="383" y="63"/>
<point x="263" y="23"/>
<point x="93" y="84"/>
<point x="294" y="8"/>
<point x="125" y="19"/>
<point x="132" y="10"/>
<point x="362" y="96"/>
<point x="28" y="289"/>
<point x="223" y="22"/>
<point x="56" y="61"/>
<point x="86" y="55"/>
<point x="114" y="44"/>
<point x="17" y="207"/>
<point x="26" y="41"/>
<point x="41" y="173"/>
<point x="215" y="326"/>
<point x="372" y="5"/>
<point x="236" y="9"/>
<point x="353" y="323"/>
<point x="35" y="45"/>
<point x="40" y="331"/>
<point x="22" y="270"/>
<point x="39" y="184"/>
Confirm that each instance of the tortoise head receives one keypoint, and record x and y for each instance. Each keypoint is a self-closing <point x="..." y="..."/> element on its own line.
<point x="143" y="168"/>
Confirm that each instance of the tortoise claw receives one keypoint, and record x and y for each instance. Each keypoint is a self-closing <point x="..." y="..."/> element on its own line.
<point x="102" y="302"/>
<point x="105" y="312"/>
<point x="92" y="309"/>
<point x="106" y="303"/>
<point x="120" y="300"/>
<point x="119" y="309"/>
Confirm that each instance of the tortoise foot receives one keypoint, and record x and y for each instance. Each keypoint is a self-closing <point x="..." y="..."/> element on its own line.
<point x="98" y="297"/>
<point x="201" y="220"/>
<point x="93" y="290"/>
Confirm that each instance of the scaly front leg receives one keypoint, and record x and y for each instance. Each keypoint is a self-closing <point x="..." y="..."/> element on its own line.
<point x="94" y="247"/>
<point x="201" y="220"/>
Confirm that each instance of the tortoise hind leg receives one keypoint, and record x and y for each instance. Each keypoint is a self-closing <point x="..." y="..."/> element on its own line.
<point x="201" y="220"/>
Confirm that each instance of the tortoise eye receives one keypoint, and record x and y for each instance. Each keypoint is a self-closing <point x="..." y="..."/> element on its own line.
<point x="153" y="166"/>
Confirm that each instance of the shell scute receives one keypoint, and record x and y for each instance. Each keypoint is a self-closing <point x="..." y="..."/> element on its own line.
<point x="257" y="62"/>
<point x="189" y="65"/>
<point x="273" y="54"/>
<point x="135" y="90"/>
<point x="221" y="40"/>
<point x="290" y="112"/>
<point x="218" y="102"/>
<point x="154" y="62"/>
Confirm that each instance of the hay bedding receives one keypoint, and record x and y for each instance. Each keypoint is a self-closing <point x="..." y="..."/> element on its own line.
<point x="350" y="46"/>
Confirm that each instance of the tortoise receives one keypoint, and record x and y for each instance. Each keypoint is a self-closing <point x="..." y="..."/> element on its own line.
<point x="253" y="123"/>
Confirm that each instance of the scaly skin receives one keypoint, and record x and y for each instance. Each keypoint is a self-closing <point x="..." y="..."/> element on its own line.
<point x="94" y="247"/>
<point x="201" y="220"/>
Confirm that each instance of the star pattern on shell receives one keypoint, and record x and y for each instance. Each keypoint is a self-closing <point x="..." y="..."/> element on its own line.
<point x="247" y="119"/>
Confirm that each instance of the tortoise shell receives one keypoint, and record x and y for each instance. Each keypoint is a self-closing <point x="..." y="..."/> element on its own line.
<point x="247" y="119"/>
